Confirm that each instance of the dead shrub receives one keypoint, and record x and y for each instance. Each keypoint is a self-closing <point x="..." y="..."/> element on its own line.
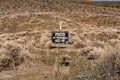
<point x="105" y="68"/>
<point x="97" y="44"/>
<point x="48" y="45"/>
<point x="85" y="51"/>
<point x="48" y="58"/>
<point x="12" y="59"/>
<point x="78" y="44"/>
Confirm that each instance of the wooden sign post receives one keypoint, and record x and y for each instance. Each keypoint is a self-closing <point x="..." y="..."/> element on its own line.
<point x="60" y="36"/>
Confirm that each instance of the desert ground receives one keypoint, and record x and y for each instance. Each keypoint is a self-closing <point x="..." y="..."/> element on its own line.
<point x="27" y="52"/>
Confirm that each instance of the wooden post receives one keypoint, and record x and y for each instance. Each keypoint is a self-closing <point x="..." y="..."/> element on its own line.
<point x="61" y="25"/>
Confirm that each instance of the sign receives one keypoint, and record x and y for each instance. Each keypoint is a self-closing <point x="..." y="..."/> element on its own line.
<point x="60" y="37"/>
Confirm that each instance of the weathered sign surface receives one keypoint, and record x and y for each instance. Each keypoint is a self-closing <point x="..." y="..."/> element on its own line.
<point x="60" y="37"/>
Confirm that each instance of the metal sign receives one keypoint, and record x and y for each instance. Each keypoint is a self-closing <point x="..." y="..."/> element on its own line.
<point x="60" y="37"/>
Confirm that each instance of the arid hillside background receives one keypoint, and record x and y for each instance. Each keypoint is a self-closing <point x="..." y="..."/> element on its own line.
<point x="26" y="50"/>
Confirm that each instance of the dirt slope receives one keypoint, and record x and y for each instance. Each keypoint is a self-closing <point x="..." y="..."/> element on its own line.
<point x="26" y="50"/>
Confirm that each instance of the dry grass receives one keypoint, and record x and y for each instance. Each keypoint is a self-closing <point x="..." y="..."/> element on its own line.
<point x="31" y="49"/>
<point x="88" y="60"/>
<point x="26" y="50"/>
<point x="106" y="68"/>
<point x="11" y="57"/>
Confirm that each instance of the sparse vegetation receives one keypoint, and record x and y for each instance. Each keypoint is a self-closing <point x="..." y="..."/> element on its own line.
<point x="26" y="50"/>
<point x="105" y="68"/>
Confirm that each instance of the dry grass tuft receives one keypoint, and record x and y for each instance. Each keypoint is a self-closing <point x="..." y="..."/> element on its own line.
<point x="78" y="44"/>
<point x="106" y="67"/>
<point x="11" y="59"/>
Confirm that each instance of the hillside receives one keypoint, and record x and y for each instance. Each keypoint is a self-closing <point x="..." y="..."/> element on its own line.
<point x="26" y="50"/>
